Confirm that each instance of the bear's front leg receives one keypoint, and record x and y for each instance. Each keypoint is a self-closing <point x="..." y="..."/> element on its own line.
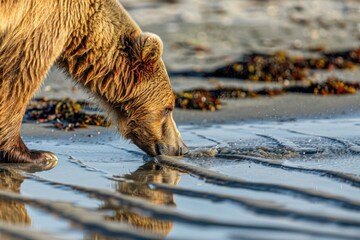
<point x="19" y="153"/>
<point x="16" y="89"/>
<point x="12" y="109"/>
<point x="15" y="151"/>
<point x="24" y="62"/>
<point x="12" y="147"/>
<point x="14" y="97"/>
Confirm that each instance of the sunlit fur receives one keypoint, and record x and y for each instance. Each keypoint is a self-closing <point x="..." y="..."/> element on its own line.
<point x="98" y="45"/>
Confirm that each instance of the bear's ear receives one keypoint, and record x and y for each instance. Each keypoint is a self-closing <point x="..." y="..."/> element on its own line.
<point x="148" y="48"/>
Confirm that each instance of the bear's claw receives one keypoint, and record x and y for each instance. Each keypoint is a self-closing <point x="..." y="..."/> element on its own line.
<point x="51" y="159"/>
<point x="43" y="157"/>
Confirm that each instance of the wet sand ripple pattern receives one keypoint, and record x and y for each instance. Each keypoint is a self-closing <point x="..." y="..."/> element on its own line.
<point x="272" y="180"/>
<point x="223" y="180"/>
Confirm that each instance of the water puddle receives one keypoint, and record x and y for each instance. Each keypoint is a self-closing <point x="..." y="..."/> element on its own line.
<point x="266" y="180"/>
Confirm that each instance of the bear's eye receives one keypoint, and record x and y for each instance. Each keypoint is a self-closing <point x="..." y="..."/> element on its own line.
<point x="167" y="111"/>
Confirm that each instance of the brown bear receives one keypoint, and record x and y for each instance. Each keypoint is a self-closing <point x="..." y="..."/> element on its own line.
<point x="98" y="44"/>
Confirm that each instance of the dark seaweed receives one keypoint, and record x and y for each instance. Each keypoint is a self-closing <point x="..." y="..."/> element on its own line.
<point x="348" y="55"/>
<point x="199" y="99"/>
<point x="209" y="100"/>
<point x="65" y="114"/>
<point x="331" y="87"/>
<point x="268" y="68"/>
<point x="280" y="67"/>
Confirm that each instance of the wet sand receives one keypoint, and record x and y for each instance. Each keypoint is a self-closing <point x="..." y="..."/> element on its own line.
<point x="289" y="180"/>
<point x="284" y="167"/>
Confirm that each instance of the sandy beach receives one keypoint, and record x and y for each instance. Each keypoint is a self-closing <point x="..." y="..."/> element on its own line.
<point x="282" y="167"/>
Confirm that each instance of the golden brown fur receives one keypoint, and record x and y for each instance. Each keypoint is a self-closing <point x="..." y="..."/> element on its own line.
<point x="102" y="48"/>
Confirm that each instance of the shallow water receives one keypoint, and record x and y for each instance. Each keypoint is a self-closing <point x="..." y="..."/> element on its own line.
<point x="267" y="180"/>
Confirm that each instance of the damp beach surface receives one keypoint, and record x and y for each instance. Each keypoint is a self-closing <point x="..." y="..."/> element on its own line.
<point x="264" y="180"/>
<point x="283" y="167"/>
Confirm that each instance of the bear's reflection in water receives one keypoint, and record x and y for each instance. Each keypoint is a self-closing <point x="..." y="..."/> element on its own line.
<point x="138" y="187"/>
<point x="12" y="212"/>
<point x="15" y="213"/>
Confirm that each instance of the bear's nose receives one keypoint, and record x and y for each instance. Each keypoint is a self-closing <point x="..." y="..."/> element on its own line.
<point x="164" y="149"/>
<point x="183" y="149"/>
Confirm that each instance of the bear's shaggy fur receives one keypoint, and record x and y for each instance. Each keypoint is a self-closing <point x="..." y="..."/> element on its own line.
<point x="98" y="44"/>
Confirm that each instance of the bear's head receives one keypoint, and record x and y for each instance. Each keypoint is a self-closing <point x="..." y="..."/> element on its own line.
<point x="146" y="117"/>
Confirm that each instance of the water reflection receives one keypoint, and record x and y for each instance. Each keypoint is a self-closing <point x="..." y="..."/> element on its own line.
<point x="12" y="212"/>
<point x="137" y="186"/>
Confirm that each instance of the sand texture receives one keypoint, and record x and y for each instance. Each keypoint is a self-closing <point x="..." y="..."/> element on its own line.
<point x="283" y="167"/>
